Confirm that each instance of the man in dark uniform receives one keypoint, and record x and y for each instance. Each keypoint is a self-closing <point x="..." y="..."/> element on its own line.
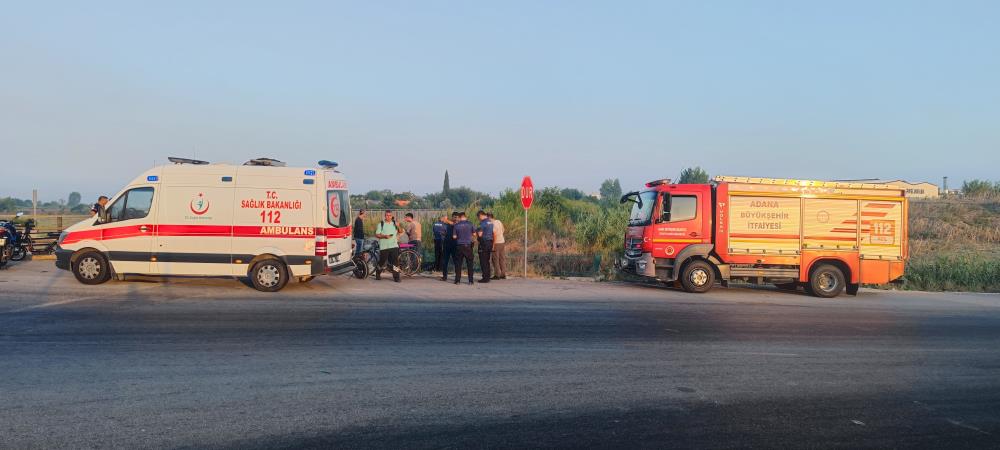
<point x="463" y="235"/>
<point x="449" y="245"/>
<point x="439" y="229"/>
<point x="485" y="235"/>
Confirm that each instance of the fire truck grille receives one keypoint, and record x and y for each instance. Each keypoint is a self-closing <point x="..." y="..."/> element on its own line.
<point x="633" y="247"/>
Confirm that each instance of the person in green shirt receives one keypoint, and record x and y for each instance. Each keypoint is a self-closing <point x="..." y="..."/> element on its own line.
<point x="387" y="233"/>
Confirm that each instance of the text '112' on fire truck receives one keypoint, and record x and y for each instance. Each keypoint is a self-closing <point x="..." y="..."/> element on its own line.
<point x="261" y="220"/>
<point x="826" y="236"/>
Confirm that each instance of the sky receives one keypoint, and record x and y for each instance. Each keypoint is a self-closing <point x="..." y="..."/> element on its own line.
<point x="569" y="92"/>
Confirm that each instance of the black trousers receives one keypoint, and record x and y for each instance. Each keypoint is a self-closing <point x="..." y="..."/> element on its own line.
<point x="449" y="256"/>
<point x="438" y="252"/>
<point x="485" y="250"/>
<point x="391" y="256"/>
<point x="464" y="252"/>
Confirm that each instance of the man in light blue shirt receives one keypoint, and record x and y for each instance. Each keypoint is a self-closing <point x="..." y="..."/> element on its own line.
<point x="387" y="233"/>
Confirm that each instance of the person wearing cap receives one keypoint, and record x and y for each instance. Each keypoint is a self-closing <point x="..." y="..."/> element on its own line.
<point x="439" y="229"/>
<point x="499" y="256"/>
<point x="463" y="234"/>
<point x="485" y="235"/>
<point x="358" y="232"/>
<point x="387" y="233"/>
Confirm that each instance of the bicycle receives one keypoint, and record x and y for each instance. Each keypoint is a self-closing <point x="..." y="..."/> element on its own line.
<point x="365" y="261"/>
<point x="410" y="260"/>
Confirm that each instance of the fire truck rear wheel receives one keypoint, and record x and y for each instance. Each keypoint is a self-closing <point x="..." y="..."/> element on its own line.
<point x="269" y="275"/>
<point x="91" y="267"/>
<point x="698" y="276"/>
<point x="826" y="281"/>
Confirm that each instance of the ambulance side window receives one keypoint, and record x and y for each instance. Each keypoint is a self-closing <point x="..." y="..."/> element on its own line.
<point x="134" y="204"/>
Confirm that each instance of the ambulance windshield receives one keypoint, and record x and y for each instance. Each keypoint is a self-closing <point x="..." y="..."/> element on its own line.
<point x="642" y="209"/>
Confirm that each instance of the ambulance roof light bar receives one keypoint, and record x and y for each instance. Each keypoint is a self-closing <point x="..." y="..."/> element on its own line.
<point x="177" y="160"/>
<point x="270" y="162"/>
<point x="328" y="164"/>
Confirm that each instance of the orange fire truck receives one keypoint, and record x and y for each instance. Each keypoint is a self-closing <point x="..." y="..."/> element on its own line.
<point x="826" y="236"/>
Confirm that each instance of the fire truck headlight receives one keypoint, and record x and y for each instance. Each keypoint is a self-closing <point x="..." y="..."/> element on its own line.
<point x="641" y="265"/>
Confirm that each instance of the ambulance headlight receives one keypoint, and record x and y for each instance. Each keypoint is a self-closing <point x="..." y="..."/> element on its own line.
<point x="62" y="236"/>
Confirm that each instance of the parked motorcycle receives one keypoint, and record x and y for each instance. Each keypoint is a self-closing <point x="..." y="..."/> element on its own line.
<point x="8" y="235"/>
<point x="23" y="244"/>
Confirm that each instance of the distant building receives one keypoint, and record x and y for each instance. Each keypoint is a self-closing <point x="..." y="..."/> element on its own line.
<point x="921" y="189"/>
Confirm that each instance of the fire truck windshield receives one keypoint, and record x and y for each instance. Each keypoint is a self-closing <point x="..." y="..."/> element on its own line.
<point x="642" y="209"/>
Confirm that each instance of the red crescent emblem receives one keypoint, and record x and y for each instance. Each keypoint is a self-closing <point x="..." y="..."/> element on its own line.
<point x="202" y="207"/>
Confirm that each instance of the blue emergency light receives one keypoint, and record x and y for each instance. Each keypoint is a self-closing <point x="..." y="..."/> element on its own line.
<point x="152" y="178"/>
<point x="310" y="172"/>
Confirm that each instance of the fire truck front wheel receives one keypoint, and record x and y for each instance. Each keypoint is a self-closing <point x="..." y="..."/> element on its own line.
<point x="269" y="275"/>
<point x="826" y="281"/>
<point x="698" y="276"/>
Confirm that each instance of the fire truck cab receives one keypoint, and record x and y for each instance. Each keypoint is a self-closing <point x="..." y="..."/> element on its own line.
<point x="828" y="237"/>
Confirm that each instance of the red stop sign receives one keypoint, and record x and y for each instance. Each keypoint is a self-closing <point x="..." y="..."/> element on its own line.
<point x="527" y="192"/>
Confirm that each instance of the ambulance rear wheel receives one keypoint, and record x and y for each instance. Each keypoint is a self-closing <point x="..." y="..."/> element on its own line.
<point x="269" y="275"/>
<point x="91" y="268"/>
<point x="698" y="276"/>
<point x="826" y="281"/>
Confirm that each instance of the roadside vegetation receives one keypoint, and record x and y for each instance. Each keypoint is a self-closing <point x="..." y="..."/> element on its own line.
<point x="954" y="241"/>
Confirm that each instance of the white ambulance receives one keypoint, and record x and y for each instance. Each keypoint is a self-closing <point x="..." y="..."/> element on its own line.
<point x="261" y="220"/>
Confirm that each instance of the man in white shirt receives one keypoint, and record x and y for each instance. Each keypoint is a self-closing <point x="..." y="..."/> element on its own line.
<point x="499" y="259"/>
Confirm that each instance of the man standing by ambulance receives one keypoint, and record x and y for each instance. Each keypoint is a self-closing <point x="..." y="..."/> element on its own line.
<point x="387" y="233"/>
<point x="358" y="232"/>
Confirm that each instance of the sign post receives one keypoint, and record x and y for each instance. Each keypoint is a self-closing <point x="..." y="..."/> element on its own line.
<point x="527" y="197"/>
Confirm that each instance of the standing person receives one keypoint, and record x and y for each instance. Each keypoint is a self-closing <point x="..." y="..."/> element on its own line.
<point x="499" y="259"/>
<point x="485" y="235"/>
<point x="439" y="229"/>
<point x="359" y="232"/>
<point x="98" y="208"/>
<point x="387" y="233"/>
<point x="414" y="231"/>
<point x="449" y="245"/>
<point x="463" y="240"/>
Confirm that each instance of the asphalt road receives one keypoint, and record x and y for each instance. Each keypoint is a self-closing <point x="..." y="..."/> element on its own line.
<point x="348" y="363"/>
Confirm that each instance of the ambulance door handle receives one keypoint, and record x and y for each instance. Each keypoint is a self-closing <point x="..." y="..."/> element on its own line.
<point x="143" y="229"/>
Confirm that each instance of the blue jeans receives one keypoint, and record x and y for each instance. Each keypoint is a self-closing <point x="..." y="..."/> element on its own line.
<point x="359" y="244"/>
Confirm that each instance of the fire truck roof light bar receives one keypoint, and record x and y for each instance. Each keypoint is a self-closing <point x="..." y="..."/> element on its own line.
<point x="658" y="182"/>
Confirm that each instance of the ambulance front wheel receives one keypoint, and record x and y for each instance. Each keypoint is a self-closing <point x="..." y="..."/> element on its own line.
<point x="269" y="275"/>
<point x="91" y="267"/>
